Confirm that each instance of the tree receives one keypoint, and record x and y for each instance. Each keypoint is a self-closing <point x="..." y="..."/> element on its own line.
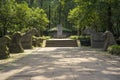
<point x="7" y="12"/>
<point x="99" y="14"/>
<point x="19" y="17"/>
<point x="38" y="19"/>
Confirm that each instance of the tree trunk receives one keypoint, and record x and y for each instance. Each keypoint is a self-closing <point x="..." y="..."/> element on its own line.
<point x="5" y="28"/>
<point x="60" y="14"/>
<point x="49" y="15"/>
<point x="109" y="22"/>
<point x="78" y="31"/>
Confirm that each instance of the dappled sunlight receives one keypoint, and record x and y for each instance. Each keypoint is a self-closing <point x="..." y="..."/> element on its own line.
<point x="111" y="72"/>
<point x="62" y="64"/>
<point x="47" y="49"/>
<point x="12" y="72"/>
<point x="113" y="68"/>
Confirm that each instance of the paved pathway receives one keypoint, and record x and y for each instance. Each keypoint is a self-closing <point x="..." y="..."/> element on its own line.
<point x="63" y="64"/>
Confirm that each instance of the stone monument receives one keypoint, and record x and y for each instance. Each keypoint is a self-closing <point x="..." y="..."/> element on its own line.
<point x="59" y="31"/>
<point x="15" y="45"/>
<point x="109" y="40"/>
<point x="4" y="50"/>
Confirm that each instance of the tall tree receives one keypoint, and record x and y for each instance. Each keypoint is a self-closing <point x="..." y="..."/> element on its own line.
<point x="99" y="14"/>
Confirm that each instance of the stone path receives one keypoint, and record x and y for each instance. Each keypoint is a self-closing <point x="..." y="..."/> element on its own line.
<point x="63" y="64"/>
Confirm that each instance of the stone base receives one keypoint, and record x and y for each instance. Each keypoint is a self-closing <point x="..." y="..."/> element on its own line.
<point x="97" y="44"/>
<point x="15" y="48"/>
<point x="59" y="36"/>
<point x="27" y="46"/>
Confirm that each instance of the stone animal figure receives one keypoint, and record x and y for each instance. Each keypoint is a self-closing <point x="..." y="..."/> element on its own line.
<point x="15" y="45"/>
<point x="4" y="50"/>
<point x="27" y="38"/>
<point x="109" y="40"/>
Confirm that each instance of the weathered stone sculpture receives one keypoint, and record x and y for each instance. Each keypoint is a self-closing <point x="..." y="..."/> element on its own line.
<point x="109" y="40"/>
<point x="27" y="38"/>
<point x="15" y="45"/>
<point x="4" y="50"/>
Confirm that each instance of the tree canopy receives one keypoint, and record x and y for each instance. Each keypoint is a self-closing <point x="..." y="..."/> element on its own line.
<point x="19" y="15"/>
<point x="100" y="14"/>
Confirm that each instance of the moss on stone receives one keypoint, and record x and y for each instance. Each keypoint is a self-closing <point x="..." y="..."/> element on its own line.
<point x="15" y="45"/>
<point x="4" y="50"/>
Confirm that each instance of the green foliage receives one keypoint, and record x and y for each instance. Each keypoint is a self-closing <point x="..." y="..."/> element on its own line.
<point x="74" y="37"/>
<point x="98" y="14"/>
<point x="114" y="49"/>
<point x="20" y="17"/>
<point x="84" y="40"/>
<point x="7" y="12"/>
<point x="84" y="37"/>
<point x="80" y="37"/>
<point x="38" y="19"/>
<point x="45" y="37"/>
<point x="57" y="11"/>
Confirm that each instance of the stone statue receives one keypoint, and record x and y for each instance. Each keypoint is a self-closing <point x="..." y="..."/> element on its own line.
<point x="27" y="38"/>
<point x="109" y="40"/>
<point x="15" y="45"/>
<point x="4" y="50"/>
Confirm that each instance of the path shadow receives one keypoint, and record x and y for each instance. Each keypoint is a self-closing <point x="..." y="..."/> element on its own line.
<point x="64" y="64"/>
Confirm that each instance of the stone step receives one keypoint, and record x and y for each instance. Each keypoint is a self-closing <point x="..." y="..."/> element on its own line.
<point x="61" y="43"/>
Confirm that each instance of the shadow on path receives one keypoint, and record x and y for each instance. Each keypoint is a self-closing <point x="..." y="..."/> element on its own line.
<point x="63" y="64"/>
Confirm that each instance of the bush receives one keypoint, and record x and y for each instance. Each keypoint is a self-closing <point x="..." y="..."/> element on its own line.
<point x="114" y="49"/>
<point x="84" y="37"/>
<point x="84" y="40"/>
<point x="45" y="37"/>
<point x="74" y="37"/>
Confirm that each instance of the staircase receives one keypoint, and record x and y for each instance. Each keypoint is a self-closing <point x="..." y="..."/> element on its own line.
<point x="61" y="43"/>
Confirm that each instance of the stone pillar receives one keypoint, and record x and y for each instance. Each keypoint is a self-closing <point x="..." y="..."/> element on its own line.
<point x="59" y="31"/>
<point x="97" y="40"/>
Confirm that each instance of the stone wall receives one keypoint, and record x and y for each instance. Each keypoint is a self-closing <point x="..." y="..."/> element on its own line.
<point x="97" y="40"/>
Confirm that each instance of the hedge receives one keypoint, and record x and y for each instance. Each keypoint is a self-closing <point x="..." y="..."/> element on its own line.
<point x="114" y="49"/>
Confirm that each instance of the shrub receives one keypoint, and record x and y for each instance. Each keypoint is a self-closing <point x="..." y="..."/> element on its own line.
<point x="45" y="37"/>
<point x="84" y="37"/>
<point x="74" y="37"/>
<point x="114" y="49"/>
<point x="84" y="40"/>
